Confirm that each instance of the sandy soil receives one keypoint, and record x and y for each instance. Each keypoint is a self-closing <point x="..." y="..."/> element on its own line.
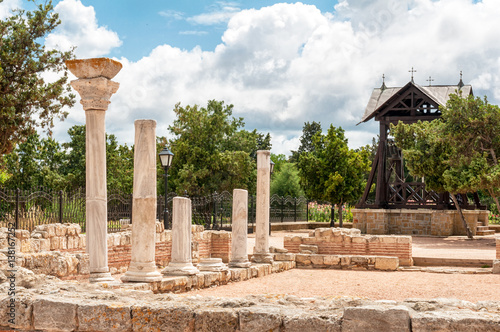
<point x="374" y="285"/>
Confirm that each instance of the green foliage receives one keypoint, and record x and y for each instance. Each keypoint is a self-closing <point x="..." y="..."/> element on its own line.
<point x="35" y="162"/>
<point x="323" y="212"/>
<point x="286" y="181"/>
<point x="44" y="162"/>
<point x="279" y="160"/>
<point x="26" y="99"/>
<point x="331" y="171"/>
<point x="4" y="176"/>
<point x="458" y="152"/>
<point x="74" y="168"/>
<point x="319" y="212"/>
<point x="211" y="152"/>
<point x="306" y="140"/>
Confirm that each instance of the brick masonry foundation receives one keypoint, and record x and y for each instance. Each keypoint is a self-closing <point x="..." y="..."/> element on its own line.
<point x="340" y="241"/>
<point x="417" y="222"/>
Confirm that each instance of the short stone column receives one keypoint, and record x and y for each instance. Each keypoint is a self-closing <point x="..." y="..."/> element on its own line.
<point x="261" y="254"/>
<point x="142" y="266"/>
<point x="239" y="252"/>
<point x="95" y="88"/>
<point x="181" y="262"/>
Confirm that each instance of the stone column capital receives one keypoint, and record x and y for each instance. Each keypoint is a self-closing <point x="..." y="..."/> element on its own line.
<point x="95" y="92"/>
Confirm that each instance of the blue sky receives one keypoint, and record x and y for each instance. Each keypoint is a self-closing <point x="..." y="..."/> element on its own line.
<point x="143" y="25"/>
<point x="279" y="63"/>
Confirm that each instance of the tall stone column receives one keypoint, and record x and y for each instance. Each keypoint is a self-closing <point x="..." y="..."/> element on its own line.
<point x="239" y="252"/>
<point x="261" y="254"/>
<point x="95" y="88"/>
<point x="142" y="264"/>
<point x="181" y="262"/>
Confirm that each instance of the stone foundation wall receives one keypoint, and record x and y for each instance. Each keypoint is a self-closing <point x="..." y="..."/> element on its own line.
<point x="67" y="241"/>
<point x="347" y="262"/>
<point x="417" y="222"/>
<point x="340" y="241"/>
<point x="259" y="313"/>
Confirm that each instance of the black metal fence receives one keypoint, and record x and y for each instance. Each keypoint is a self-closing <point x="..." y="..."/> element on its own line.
<point x="29" y="208"/>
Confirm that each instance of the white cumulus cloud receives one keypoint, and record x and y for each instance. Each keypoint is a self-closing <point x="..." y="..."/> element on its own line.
<point x="7" y="6"/>
<point x="287" y="64"/>
<point x="80" y="28"/>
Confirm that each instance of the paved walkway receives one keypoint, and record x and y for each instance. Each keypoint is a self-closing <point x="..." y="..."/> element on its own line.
<point x="482" y="247"/>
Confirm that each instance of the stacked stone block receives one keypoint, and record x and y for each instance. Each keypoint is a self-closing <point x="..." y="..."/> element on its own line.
<point x="340" y="241"/>
<point x="51" y="239"/>
<point x="347" y="262"/>
<point x="51" y="313"/>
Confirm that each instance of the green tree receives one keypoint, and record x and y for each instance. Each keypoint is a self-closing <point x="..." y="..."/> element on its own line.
<point x="286" y="181"/>
<point x="26" y="99"/>
<point x="119" y="165"/>
<point x="333" y="172"/>
<point x="119" y="161"/>
<point x="36" y="162"/>
<point x="456" y="153"/>
<point x="74" y="169"/>
<point x="279" y="160"/>
<point x="211" y="152"/>
<point x="306" y="140"/>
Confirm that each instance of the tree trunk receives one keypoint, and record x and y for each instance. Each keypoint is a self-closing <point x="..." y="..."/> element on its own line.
<point x="341" y="222"/>
<point x="459" y="209"/>
<point x="495" y="198"/>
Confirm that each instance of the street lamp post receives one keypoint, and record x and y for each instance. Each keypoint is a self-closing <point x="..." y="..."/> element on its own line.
<point x="166" y="157"/>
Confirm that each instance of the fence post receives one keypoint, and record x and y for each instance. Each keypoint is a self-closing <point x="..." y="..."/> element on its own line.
<point x="295" y="209"/>
<point x="307" y="210"/>
<point x="332" y="222"/>
<point x="282" y="208"/>
<point x="213" y="221"/>
<point x="17" y="207"/>
<point x="60" y="206"/>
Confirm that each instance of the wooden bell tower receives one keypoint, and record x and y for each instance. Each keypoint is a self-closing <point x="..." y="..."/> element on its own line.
<point x="409" y="104"/>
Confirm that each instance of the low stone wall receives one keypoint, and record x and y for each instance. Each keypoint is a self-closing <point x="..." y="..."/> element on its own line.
<point x="182" y="284"/>
<point x="417" y="222"/>
<point x="347" y="262"/>
<point x="96" y="311"/>
<point x="52" y="245"/>
<point x="340" y="241"/>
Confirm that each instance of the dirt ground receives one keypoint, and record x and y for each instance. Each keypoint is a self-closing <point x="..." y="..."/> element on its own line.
<point x="375" y="285"/>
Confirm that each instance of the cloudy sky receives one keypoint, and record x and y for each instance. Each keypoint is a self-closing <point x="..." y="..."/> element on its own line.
<point x="280" y="63"/>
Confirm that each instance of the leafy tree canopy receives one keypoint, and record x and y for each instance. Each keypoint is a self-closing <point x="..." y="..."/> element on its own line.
<point x="212" y="152"/>
<point x="458" y="152"/>
<point x="331" y="171"/>
<point x="286" y="181"/>
<point x="26" y="99"/>
<point x="306" y="140"/>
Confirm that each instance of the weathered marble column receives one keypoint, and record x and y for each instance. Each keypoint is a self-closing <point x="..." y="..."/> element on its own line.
<point x="95" y="88"/>
<point x="261" y="254"/>
<point x="142" y="264"/>
<point x="239" y="252"/>
<point x="181" y="262"/>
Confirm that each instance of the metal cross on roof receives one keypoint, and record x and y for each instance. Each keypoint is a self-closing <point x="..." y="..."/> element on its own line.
<point x="383" y="87"/>
<point x="412" y="71"/>
<point x="430" y="80"/>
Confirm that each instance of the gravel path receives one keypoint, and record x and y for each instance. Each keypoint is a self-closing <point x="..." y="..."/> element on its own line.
<point x="374" y="285"/>
<point x="377" y="285"/>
